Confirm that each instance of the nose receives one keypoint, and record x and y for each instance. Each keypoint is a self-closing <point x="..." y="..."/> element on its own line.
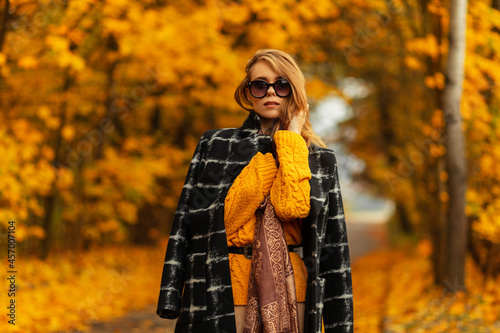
<point x="270" y="91"/>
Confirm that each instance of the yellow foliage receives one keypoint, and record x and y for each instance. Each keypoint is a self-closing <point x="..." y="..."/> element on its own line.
<point x="437" y="119"/>
<point x="443" y="176"/>
<point x="429" y="82"/>
<point x="427" y="45"/>
<point x="68" y="59"/>
<point x="127" y="211"/>
<point x="57" y="43"/>
<point x="68" y="291"/>
<point x="444" y="196"/>
<point x="35" y="207"/>
<point x="424" y="248"/>
<point x="435" y="81"/>
<point x="317" y="89"/>
<point x="439" y="80"/>
<point x="27" y="62"/>
<point x="488" y="224"/>
<point x="436" y="7"/>
<point x="481" y="118"/>
<point x="437" y="150"/>
<point x="406" y="300"/>
<point x="413" y="63"/>
<point x="36" y="231"/>
<point x="163" y="74"/>
<point x="109" y="225"/>
<point x="26" y="173"/>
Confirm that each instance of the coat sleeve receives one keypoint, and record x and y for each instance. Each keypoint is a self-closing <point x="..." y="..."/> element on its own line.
<point x="335" y="266"/>
<point x="173" y="276"/>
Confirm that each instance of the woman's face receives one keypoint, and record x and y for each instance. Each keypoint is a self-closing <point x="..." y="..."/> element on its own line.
<point x="271" y="105"/>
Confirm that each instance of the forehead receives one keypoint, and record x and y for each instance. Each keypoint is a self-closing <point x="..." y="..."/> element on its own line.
<point x="262" y="70"/>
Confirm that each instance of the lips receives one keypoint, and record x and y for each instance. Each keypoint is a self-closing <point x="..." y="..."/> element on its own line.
<point x="271" y="103"/>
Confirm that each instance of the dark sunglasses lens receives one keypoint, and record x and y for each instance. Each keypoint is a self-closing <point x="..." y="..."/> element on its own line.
<point x="282" y="88"/>
<point x="258" y="88"/>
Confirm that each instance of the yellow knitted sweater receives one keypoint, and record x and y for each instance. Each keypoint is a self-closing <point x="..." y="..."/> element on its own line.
<point x="289" y="191"/>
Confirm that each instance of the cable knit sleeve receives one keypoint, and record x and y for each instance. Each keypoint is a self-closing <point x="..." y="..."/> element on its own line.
<point x="290" y="192"/>
<point x="251" y="186"/>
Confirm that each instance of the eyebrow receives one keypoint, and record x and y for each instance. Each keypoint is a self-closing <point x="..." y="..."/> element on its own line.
<point x="266" y="79"/>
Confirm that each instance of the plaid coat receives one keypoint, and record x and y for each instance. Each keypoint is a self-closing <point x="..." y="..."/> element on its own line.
<point x="196" y="283"/>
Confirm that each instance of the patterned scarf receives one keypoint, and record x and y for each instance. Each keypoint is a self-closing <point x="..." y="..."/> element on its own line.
<point x="272" y="302"/>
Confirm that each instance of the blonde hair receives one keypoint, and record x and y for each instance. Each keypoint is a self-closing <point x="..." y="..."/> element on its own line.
<point x="285" y="66"/>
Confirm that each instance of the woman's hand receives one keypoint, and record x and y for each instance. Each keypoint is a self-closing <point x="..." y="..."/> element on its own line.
<point x="298" y="121"/>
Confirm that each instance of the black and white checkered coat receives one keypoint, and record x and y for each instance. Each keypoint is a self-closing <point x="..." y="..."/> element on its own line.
<point x="196" y="282"/>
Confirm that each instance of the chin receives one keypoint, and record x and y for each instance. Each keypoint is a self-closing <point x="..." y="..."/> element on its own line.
<point x="269" y="114"/>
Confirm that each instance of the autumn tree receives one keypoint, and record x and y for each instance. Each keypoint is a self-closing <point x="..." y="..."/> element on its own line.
<point x="105" y="101"/>
<point x="399" y="51"/>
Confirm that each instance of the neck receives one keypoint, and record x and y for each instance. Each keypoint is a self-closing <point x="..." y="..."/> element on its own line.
<point x="265" y="124"/>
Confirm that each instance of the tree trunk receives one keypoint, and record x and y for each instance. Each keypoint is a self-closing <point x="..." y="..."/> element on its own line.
<point x="5" y="21"/>
<point x="3" y="25"/>
<point x="495" y="4"/>
<point x="455" y="149"/>
<point x="51" y="200"/>
<point x="404" y="222"/>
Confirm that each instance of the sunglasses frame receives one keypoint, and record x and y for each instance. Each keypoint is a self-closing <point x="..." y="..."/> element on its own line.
<point x="268" y="86"/>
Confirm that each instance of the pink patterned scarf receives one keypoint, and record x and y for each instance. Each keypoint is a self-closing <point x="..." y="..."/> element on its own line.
<point x="272" y="301"/>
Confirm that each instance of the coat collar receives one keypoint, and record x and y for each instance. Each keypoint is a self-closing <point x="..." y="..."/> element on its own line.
<point x="252" y="121"/>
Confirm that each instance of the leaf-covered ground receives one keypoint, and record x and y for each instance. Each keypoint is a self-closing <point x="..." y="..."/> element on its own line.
<point x="393" y="292"/>
<point x="69" y="291"/>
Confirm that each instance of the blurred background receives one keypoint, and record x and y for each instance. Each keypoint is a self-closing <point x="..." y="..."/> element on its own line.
<point x="103" y="102"/>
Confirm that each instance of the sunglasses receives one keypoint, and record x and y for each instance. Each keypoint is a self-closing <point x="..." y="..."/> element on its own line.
<point x="259" y="88"/>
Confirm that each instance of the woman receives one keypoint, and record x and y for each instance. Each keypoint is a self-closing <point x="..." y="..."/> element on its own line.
<point x="275" y="153"/>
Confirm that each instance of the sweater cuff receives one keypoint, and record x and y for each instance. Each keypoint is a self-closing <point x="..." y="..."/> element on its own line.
<point x="288" y="140"/>
<point x="267" y="171"/>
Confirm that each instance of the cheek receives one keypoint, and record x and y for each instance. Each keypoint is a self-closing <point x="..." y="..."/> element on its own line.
<point x="255" y="101"/>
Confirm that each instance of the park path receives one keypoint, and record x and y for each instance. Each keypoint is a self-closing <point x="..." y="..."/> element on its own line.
<point x="366" y="232"/>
